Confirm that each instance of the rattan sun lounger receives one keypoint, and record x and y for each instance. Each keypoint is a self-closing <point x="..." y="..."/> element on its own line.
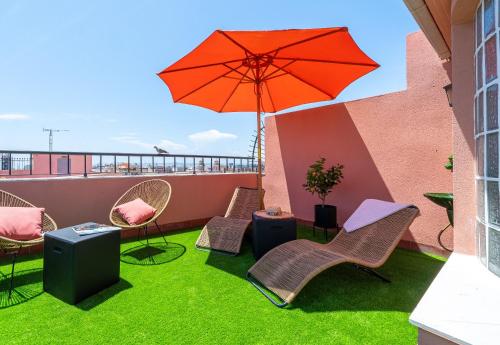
<point x="224" y="235"/>
<point x="286" y="269"/>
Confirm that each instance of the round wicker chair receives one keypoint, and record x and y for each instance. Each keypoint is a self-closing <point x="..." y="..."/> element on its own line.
<point x="155" y="193"/>
<point x="13" y="247"/>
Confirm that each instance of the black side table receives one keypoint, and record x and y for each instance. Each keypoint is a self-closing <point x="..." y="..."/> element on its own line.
<point x="271" y="231"/>
<point x="76" y="267"/>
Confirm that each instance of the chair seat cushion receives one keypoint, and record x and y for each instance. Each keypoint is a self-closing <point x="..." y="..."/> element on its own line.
<point x="136" y="211"/>
<point x="21" y="223"/>
<point x="371" y="211"/>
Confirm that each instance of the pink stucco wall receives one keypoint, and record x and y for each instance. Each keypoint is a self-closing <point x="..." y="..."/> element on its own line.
<point x="393" y="147"/>
<point x="42" y="163"/>
<point x="71" y="201"/>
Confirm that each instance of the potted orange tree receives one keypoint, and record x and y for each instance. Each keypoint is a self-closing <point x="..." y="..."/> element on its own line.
<point x="321" y="181"/>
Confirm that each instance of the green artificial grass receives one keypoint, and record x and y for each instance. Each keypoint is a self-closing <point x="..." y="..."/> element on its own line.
<point x="203" y="298"/>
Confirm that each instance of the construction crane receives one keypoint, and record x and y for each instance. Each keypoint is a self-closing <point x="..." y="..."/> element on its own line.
<point x="51" y="135"/>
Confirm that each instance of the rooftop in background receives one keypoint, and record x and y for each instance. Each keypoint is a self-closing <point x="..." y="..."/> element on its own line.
<point x="51" y="164"/>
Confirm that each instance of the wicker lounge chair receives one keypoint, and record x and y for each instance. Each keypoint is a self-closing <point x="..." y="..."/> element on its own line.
<point x="155" y="193"/>
<point x="224" y="235"/>
<point x="13" y="247"/>
<point x="286" y="269"/>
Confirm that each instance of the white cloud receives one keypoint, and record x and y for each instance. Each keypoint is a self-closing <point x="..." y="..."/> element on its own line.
<point x="133" y="139"/>
<point x="171" y="146"/>
<point x="14" y="117"/>
<point x="210" y="136"/>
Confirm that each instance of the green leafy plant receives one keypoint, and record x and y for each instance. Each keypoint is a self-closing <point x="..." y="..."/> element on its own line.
<point x="449" y="164"/>
<point x="320" y="180"/>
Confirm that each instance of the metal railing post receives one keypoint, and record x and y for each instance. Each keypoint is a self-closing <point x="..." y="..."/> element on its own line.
<point x="14" y="164"/>
<point x="84" y="165"/>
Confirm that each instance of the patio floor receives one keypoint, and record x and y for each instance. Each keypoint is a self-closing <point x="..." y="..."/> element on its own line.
<point x="202" y="298"/>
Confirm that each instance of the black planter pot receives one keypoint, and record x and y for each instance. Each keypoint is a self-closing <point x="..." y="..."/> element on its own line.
<point x="325" y="217"/>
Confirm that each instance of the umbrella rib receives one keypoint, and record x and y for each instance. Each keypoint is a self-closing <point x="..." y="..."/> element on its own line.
<point x="236" y="71"/>
<point x="269" y="94"/>
<point x="202" y="86"/>
<point x="305" y="82"/>
<point x="269" y="76"/>
<point x="235" y="42"/>
<point x="199" y="66"/>
<point x="334" y="31"/>
<point x="234" y="90"/>
<point x="329" y="61"/>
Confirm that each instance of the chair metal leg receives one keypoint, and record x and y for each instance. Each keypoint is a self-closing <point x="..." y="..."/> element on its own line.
<point x="161" y="233"/>
<point x="11" y="288"/>
<point x="151" y="257"/>
<point x="146" y="235"/>
<point x="373" y="273"/>
<point x="256" y="284"/>
<point x="215" y="251"/>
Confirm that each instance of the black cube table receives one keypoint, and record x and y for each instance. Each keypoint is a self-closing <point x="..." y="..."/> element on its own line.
<point x="76" y="267"/>
<point x="271" y="231"/>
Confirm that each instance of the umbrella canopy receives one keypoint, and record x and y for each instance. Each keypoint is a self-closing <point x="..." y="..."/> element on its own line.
<point x="267" y="71"/>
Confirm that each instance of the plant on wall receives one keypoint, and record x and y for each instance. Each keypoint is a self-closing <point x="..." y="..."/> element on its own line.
<point x="449" y="164"/>
<point x="320" y="180"/>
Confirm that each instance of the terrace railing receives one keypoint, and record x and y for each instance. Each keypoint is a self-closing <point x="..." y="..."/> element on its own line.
<point x="63" y="163"/>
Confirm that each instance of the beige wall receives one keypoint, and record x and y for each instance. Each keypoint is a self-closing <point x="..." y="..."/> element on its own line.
<point x="462" y="27"/>
<point x="463" y="137"/>
<point x="72" y="201"/>
<point x="393" y="147"/>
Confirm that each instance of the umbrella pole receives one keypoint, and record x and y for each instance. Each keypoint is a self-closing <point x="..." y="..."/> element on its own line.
<point x="259" y="151"/>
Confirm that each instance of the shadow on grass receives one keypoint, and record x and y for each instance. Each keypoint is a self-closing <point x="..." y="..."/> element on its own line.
<point x="240" y="264"/>
<point x="28" y="284"/>
<point x="156" y="253"/>
<point x="345" y="287"/>
<point x="102" y="296"/>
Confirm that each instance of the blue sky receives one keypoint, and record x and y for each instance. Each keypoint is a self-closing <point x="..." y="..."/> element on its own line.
<point x="90" y="67"/>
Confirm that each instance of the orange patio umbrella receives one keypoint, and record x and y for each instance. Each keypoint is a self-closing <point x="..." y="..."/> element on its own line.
<point x="266" y="71"/>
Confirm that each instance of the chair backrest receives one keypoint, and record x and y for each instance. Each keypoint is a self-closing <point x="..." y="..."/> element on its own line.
<point x="154" y="192"/>
<point x="244" y="203"/>
<point x="10" y="200"/>
<point x="372" y="245"/>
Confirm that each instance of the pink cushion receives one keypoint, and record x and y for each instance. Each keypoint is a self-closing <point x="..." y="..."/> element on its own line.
<point x="135" y="212"/>
<point x="21" y="223"/>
